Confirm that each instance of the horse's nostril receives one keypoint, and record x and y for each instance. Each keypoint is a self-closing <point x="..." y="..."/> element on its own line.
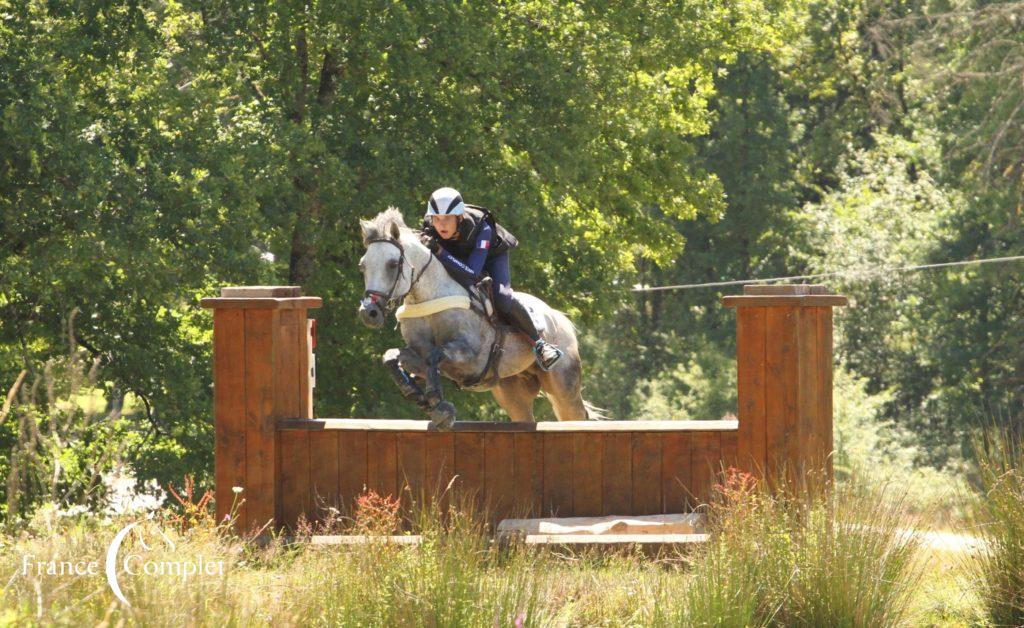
<point x="373" y="313"/>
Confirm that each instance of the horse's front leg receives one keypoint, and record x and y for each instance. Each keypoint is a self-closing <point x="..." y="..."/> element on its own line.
<point x="442" y="413"/>
<point x="394" y="360"/>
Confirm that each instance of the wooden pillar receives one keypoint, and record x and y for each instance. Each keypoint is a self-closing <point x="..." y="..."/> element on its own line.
<point x="261" y="373"/>
<point x="784" y="379"/>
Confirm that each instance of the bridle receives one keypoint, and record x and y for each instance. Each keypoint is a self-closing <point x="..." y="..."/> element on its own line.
<point x="389" y="299"/>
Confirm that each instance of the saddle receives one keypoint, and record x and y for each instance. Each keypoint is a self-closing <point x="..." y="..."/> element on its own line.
<point x="481" y="298"/>
<point x="482" y="295"/>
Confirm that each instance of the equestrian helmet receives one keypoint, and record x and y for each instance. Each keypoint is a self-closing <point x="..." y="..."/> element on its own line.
<point x="445" y="202"/>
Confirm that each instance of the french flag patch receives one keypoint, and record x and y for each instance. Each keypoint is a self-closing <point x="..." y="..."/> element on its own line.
<point x="484" y="244"/>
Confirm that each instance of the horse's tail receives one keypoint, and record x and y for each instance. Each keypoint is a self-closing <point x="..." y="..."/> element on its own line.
<point x="594" y="413"/>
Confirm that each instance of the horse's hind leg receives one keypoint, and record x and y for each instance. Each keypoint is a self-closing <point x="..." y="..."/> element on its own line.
<point x="516" y="394"/>
<point x="564" y="387"/>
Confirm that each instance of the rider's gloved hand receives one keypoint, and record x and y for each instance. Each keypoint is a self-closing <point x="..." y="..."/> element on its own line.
<point x="430" y="242"/>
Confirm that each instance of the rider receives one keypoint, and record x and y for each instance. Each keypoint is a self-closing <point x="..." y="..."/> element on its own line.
<point x="469" y="243"/>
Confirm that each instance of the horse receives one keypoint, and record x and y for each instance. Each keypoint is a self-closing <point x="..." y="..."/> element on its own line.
<point x="459" y="342"/>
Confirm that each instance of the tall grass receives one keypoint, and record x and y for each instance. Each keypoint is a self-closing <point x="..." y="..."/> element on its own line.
<point x="773" y="559"/>
<point x="800" y="557"/>
<point x="455" y="577"/>
<point x="998" y="518"/>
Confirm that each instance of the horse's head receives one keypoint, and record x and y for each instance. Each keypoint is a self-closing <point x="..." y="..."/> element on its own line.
<point x="387" y="273"/>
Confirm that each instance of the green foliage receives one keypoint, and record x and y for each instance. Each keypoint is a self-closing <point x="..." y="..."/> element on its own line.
<point x="871" y="449"/>
<point x="151" y="153"/>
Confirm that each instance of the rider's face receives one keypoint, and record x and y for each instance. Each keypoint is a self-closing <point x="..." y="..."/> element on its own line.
<point x="445" y="225"/>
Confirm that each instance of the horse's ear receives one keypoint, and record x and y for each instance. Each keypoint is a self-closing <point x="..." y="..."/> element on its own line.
<point x="395" y="230"/>
<point x="368" y="229"/>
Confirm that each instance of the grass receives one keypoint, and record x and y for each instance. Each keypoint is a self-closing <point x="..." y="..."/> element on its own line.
<point x="774" y="558"/>
<point x="997" y="517"/>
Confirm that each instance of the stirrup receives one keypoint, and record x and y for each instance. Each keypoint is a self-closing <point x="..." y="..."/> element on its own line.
<point x="545" y="365"/>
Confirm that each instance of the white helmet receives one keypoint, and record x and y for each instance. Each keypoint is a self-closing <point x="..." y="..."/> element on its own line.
<point x="445" y="202"/>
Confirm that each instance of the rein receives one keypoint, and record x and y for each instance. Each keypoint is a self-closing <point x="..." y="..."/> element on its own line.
<point x="389" y="298"/>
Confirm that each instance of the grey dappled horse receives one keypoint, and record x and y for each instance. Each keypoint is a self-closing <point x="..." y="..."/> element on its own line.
<point x="457" y="343"/>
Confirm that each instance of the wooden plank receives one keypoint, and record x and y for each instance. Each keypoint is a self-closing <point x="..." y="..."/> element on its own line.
<point x="805" y="451"/>
<point x="499" y="481"/>
<point x="287" y="369"/>
<point x="382" y="463"/>
<point x="781" y="385"/>
<point x="528" y="463"/>
<point x="405" y="425"/>
<point x="229" y="413"/>
<point x="730" y="447"/>
<point x="587" y="463"/>
<point x="293" y="479"/>
<point x="810" y="300"/>
<point x="469" y="466"/>
<point x="363" y="539"/>
<point x="617" y="474"/>
<point x="675" y="473"/>
<point x="572" y="540"/>
<point x="675" y="523"/>
<point x="751" y="392"/>
<point x="323" y="472"/>
<point x="261" y="304"/>
<point x="558" y="475"/>
<point x="260" y="433"/>
<point x="352" y="468"/>
<point x="303" y="368"/>
<point x="260" y="292"/>
<point x="412" y="449"/>
<point x="287" y="389"/>
<point x="439" y="467"/>
<point x="781" y="289"/>
<point x="646" y="474"/>
<point x="604" y="540"/>
<point x="824" y="412"/>
<point x="706" y="457"/>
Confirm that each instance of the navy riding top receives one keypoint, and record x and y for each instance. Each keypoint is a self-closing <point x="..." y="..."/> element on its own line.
<point x="470" y="271"/>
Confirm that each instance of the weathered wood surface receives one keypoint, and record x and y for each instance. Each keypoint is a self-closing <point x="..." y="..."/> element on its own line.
<point x="522" y="474"/>
<point x="411" y="425"/>
<point x="680" y="523"/>
<point x="261" y="375"/>
<point x="292" y="465"/>
<point x="599" y="540"/>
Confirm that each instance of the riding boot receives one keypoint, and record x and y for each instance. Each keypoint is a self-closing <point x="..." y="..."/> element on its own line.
<point x="545" y="353"/>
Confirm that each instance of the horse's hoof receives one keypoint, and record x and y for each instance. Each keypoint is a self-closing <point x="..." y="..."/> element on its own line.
<point x="442" y="416"/>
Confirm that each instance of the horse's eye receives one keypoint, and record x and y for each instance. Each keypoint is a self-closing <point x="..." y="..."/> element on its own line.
<point x="393" y="263"/>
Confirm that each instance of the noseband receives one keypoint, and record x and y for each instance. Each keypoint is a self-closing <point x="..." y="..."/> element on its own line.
<point x="389" y="299"/>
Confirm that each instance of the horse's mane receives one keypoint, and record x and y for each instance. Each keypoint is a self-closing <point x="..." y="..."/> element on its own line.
<point x="388" y="224"/>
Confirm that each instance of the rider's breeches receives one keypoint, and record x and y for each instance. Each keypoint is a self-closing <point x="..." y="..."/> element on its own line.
<point x="505" y="300"/>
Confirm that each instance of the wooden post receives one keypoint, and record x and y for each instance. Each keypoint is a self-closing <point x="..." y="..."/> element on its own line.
<point x="784" y="379"/>
<point x="261" y="373"/>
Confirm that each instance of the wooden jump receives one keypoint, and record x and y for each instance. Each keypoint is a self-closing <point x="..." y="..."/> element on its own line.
<point x="290" y="464"/>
